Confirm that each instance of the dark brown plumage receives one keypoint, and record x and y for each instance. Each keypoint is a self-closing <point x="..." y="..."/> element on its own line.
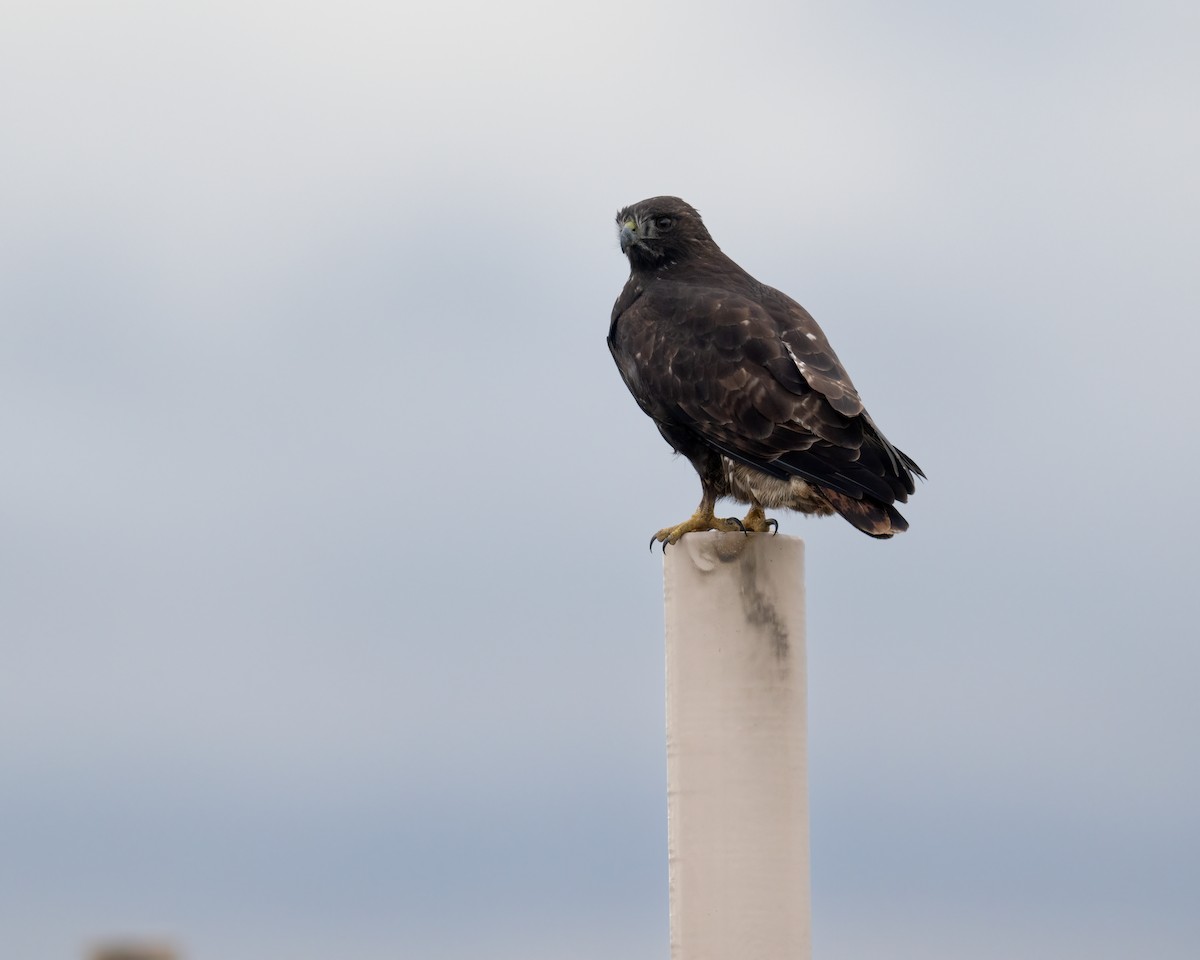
<point x="740" y="380"/>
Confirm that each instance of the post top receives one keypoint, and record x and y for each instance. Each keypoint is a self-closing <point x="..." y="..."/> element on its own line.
<point x="711" y="548"/>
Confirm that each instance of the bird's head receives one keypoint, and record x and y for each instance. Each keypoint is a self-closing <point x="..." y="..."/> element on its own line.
<point x="658" y="232"/>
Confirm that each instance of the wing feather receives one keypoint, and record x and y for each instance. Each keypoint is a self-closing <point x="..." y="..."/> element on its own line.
<point x="755" y="377"/>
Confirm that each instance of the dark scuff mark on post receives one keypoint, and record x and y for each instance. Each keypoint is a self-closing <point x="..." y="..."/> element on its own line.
<point x="759" y="608"/>
<point x="708" y="551"/>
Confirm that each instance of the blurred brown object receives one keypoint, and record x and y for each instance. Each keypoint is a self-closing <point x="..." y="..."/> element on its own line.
<point x="133" y="950"/>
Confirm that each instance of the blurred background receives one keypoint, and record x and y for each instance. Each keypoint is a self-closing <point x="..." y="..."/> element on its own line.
<point x="327" y="623"/>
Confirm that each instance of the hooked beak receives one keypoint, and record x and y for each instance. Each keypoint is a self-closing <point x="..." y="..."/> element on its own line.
<point x="629" y="235"/>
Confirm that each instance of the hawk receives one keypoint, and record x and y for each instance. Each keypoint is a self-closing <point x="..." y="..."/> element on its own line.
<point x="739" y="379"/>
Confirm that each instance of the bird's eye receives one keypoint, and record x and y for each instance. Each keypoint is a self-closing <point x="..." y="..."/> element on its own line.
<point x="664" y="223"/>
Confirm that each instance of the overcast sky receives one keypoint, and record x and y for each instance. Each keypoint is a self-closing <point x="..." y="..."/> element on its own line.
<point x="327" y="624"/>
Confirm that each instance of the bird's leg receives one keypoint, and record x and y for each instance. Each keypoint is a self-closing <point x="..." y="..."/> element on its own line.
<point x="702" y="519"/>
<point x="758" y="522"/>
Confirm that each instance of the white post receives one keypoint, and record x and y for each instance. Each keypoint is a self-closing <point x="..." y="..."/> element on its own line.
<point x="737" y="779"/>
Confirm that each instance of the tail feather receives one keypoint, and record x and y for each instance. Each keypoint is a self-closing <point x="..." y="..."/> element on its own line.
<point x="875" y="519"/>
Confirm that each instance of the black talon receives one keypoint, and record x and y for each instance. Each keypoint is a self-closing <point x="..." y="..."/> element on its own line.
<point x="773" y="524"/>
<point x="741" y="526"/>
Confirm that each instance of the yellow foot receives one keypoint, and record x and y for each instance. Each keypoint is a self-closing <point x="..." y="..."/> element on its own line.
<point x="696" y="523"/>
<point x="758" y="522"/>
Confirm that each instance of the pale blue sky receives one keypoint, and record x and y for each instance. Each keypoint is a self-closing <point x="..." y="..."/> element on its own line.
<point x="326" y="619"/>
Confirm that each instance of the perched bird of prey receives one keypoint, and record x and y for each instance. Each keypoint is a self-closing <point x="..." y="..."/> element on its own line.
<point x="739" y="379"/>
